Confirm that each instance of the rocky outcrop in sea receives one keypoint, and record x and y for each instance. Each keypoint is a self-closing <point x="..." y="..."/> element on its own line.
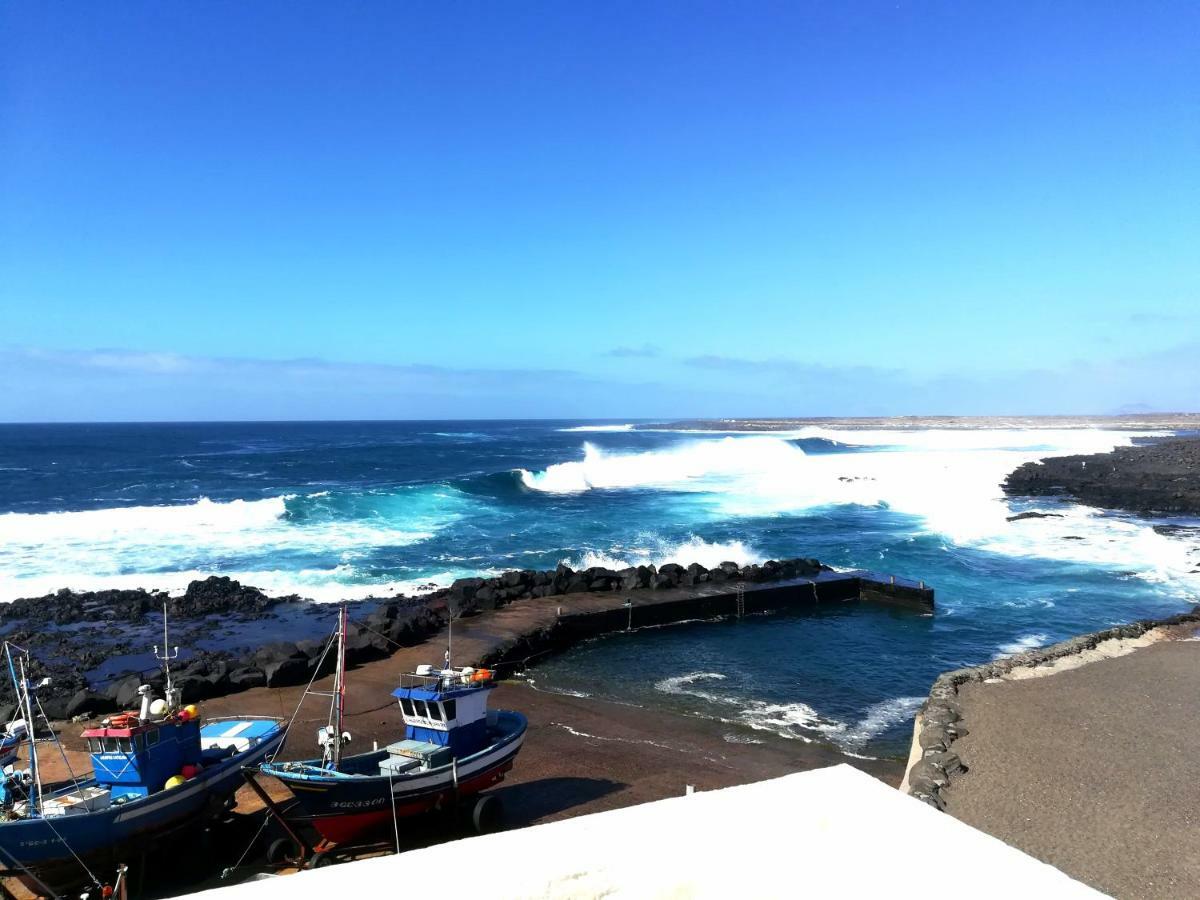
<point x="1162" y="477"/>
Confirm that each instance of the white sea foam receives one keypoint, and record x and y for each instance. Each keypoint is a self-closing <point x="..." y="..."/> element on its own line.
<point x="655" y="551"/>
<point x="877" y="719"/>
<point x="626" y="427"/>
<point x="948" y="479"/>
<point x="1023" y="643"/>
<point x="166" y="547"/>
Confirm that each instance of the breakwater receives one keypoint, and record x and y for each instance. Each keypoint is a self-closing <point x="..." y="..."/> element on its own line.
<point x="934" y="761"/>
<point x="95" y="647"/>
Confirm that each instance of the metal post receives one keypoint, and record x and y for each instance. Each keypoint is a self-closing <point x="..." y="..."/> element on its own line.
<point x="272" y="809"/>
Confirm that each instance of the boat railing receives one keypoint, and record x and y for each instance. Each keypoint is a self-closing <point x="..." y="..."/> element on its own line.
<point x="437" y="682"/>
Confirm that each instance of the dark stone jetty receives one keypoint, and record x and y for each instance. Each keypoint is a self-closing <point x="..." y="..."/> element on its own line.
<point x="97" y="647"/>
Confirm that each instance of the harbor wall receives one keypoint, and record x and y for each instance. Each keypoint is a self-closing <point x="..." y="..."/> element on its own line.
<point x="933" y="761"/>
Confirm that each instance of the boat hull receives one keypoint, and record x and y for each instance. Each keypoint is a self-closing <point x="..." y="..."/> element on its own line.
<point x="351" y="809"/>
<point x="104" y="836"/>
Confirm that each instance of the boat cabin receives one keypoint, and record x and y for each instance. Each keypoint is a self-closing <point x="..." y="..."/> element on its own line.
<point x="446" y="708"/>
<point x="136" y="758"/>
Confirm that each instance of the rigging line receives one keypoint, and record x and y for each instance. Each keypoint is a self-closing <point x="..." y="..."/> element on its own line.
<point x="237" y="865"/>
<point x="62" y="840"/>
<point x="300" y="702"/>
<point x="62" y="751"/>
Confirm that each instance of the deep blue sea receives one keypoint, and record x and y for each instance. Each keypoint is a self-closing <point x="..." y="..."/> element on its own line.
<point x="334" y="510"/>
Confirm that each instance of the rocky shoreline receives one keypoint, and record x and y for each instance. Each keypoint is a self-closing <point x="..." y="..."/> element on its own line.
<point x="96" y="647"/>
<point x="1163" y="477"/>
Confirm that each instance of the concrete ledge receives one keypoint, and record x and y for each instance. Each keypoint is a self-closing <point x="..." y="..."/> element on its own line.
<point x="932" y="760"/>
<point x="832" y="832"/>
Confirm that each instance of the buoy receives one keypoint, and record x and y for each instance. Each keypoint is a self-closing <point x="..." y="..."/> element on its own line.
<point x="192" y="710"/>
<point x="481" y="675"/>
<point x="158" y="707"/>
<point x="190" y="771"/>
<point x="174" y="781"/>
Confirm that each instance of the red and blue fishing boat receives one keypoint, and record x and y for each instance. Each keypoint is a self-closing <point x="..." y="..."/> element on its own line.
<point x="453" y="748"/>
<point x="156" y="770"/>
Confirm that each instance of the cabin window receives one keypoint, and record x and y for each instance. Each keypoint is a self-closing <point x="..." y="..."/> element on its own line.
<point x="406" y="706"/>
<point x="139" y="743"/>
<point x="449" y="706"/>
<point x="151" y="738"/>
<point x="125" y="745"/>
<point x="110" y="745"/>
<point x="422" y="709"/>
<point x="435" y="712"/>
<point x="94" y="745"/>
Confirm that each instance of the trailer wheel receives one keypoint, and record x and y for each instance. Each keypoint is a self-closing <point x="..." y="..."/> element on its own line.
<point x="320" y="860"/>
<point x="486" y="814"/>
<point x="281" y="850"/>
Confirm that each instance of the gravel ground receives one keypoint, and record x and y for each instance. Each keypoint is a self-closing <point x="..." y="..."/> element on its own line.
<point x="1092" y="769"/>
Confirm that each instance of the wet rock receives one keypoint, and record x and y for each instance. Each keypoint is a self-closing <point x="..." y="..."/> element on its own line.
<point x="219" y="594"/>
<point x="1033" y="515"/>
<point x="1159" y="477"/>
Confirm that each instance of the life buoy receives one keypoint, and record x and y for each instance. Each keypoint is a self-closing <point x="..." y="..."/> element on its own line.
<point x="481" y="675"/>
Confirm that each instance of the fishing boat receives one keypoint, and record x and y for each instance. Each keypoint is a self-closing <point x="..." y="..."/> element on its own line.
<point x="156" y="770"/>
<point x="11" y="740"/>
<point x="452" y="749"/>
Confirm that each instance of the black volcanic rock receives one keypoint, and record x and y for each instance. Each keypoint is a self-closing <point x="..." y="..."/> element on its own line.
<point x="1033" y="515"/>
<point x="1163" y="477"/>
<point x="220" y="594"/>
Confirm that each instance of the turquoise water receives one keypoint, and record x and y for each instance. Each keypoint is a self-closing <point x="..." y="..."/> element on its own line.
<point x="333" y="510"/>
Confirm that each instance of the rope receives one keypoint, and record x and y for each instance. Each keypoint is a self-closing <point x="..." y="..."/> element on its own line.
<point x="62" y="752"/>
<point x="241" y="859"/>
<point x="300" y="702"/>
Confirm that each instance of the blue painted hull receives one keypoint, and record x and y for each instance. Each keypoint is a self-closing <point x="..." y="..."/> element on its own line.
<point x="44" y="844"/>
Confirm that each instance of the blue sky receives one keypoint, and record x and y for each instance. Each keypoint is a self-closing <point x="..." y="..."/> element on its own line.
<point x="281" y="210"/>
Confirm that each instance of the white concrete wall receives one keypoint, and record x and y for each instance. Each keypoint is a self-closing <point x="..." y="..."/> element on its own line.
<point x="832" y="832"/>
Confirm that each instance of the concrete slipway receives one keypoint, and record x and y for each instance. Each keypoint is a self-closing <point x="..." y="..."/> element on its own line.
<point x="832" y="832"/>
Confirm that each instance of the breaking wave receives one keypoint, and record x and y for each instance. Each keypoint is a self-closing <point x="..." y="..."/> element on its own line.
<point x="166" y="547"/>
<point x="947" y="480"/>
<point x="796" y="720"/>
<point x="1023" y="643"/>
<point x="600" y="428"/>
<point x="656" y="552"/>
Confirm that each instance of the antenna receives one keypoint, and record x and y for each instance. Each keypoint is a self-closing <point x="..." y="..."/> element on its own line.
<point x="165" y="658"/>
<point x="449" y="636"/>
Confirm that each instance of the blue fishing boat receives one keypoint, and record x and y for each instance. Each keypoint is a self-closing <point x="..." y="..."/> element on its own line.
<point x="453" y="748"/>
<point x="13" y="737"/>
<point x="156" y="771"/>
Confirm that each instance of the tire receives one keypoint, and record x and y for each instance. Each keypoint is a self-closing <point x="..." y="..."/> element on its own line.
<point x="320" y="860"/>
<point x="282" y="850"/>
<point x="487" y="814"/>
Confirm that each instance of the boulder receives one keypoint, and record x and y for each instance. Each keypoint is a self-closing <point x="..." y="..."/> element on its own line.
<point x="85" y="702"/>
<point x="245" y="678"/>
<point x="287" y="671"/>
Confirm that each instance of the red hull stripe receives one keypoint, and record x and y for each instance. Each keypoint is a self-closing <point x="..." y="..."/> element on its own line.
<point x="341" y="829"/>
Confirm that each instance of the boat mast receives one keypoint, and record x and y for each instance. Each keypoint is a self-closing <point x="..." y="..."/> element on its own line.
<point x="165" y="658"/>
<point x="339" y="691"/>
<point x="35" y="798"/>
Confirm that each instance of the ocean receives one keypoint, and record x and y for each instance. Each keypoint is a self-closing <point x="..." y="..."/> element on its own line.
<point x="339" y="510"/>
